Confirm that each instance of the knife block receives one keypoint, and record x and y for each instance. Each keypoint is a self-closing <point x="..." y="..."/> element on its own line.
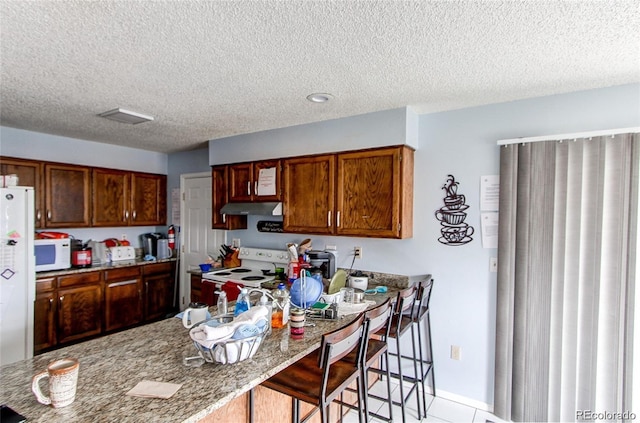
<point x="232" y="260"/>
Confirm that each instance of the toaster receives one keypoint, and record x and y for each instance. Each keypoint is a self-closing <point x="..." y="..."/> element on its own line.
<point x="122" y="253"/>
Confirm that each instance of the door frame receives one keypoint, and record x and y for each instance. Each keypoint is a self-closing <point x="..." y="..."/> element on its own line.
<point x="185" y="278"/>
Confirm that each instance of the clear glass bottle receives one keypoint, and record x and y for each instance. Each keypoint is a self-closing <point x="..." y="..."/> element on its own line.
<point x="223" y="307"/>
<point x="280" y="314"/>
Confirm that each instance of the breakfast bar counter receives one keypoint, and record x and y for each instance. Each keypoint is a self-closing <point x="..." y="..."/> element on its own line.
<point x="112" y="365"/>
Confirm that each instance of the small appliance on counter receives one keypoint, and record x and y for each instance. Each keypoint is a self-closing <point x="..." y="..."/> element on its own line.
<point x="323" y="260"/>
<point x="150" y="243"/>
<point x="80" y="254"/>
<point x="100" y="253"/>
<point x="122" y="253"/>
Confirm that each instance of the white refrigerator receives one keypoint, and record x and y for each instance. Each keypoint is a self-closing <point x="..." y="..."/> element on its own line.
<point x="17" y="274"/>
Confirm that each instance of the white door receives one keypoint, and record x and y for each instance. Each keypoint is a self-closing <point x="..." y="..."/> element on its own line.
<point x="198" y="239"/>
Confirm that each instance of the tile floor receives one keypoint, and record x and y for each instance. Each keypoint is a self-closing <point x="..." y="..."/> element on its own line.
<point x="438" y="409"/>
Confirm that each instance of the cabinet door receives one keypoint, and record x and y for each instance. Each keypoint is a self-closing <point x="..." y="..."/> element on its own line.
<point x="29" y="175"/>
<point x="67" y="196"/>
<point x="122" y="298"/>
<point x="148" y="199"/>
<point x="79" y="312"/>
<point x="196" y="289"/>
<point x="240" y="182"/>
<point x="369" y="191"/>
<point x="158" y="290"/>
<point x="110" y="197"/>
<point x="44" y="321"/>
<point x="267" y="165"/>
<point x="309" y="192"/>
<point x="220" y="197"/>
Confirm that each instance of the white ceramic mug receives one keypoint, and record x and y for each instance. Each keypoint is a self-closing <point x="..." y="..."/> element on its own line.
<point x="164" y="251"/>
<point x="196" y="313"/>
<point x="63" y="380"/>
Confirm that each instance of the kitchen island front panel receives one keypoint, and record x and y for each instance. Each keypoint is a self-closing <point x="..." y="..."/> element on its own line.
<point x="112" y="365"/>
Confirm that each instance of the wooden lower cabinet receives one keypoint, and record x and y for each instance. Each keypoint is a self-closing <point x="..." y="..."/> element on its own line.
<point x="122" y="298"/>
<point x="79" y="313"/>
<point x="158" y="290"/>
<point x="44" y="331"/>
<point x="203" y="291"/>
<point x="79" y="306"/>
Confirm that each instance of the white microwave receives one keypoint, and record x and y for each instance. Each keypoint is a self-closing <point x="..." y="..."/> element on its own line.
<point x="52" y="254"/>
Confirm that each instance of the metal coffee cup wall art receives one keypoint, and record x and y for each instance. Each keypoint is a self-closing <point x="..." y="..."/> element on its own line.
<point x="454" y="230"/>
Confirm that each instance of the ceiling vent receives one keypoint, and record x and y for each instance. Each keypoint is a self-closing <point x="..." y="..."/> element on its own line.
<point x="126" y="116"/>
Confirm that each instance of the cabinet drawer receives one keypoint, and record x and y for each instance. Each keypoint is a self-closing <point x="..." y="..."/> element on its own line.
<point x="125" y="272"/>
<point x="151" y="269"/>
<point x="44" y="285"/>
<point x="79" y="279"/>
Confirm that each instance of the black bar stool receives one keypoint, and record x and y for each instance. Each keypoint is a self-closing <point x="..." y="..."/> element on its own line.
<point x="401" y="324"/>
<point x="322" y="376"/>
<point x="422" y="320"/>
<point x="377" y="322"/>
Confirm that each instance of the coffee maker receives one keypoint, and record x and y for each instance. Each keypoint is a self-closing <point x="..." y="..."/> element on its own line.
<point x="150" y="243"/>
<point x="323" y="260"/>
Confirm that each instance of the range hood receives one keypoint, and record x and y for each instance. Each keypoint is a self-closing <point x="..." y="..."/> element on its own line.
<point x="260" y="209"/>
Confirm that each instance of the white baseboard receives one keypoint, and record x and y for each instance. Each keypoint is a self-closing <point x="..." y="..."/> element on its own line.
<point x="463" y="400"/>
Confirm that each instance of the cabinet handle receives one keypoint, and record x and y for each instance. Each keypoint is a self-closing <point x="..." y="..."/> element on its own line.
<point x="61" y="298"/>
<point x="338" y="219"/>
<point x="255" y="187"/>
<point x="38" y="215"/>
<point x="48" y="214"/>
<point x="134" y="215"/>
<point x="248" y="187"/>
<point x="224" y="218"/>
<point x="50" y="303"/>
<point x="126" y="215"/>
<point x="329" y="218"/>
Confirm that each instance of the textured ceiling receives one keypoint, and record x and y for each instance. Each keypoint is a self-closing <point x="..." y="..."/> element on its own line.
<point x="211" y="69"/>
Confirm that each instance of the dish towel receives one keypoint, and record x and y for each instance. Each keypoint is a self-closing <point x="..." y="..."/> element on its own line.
<point x="208" y="336"/>
<point x="153" y="389"/>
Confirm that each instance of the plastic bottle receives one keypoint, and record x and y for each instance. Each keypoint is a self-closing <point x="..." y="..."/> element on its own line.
<point x="280" y="314"/>
<point x="264" y="301"/>
<point x="242" y="303"/>
<point x="223" y="307"/>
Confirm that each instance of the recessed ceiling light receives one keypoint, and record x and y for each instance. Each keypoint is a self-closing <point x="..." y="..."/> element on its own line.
<point x="319" y="97"/>
<point x="126" y="116"/>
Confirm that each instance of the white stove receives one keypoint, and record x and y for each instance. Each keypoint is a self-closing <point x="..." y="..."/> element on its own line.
<point x="253" y="261"/>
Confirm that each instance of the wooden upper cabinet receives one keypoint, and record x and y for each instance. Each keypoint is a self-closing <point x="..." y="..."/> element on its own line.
<point x="220" y="197"/>
<point x="122" y="198"/>
<point x="29" y="175"/>
<point x="110" y="199"/>
<point x="244" y="181"/>
<point x="148" y="199"/>
<point x="67" y="196"/>
<point x="374" y="190"/>
<point x="309" y="194"/>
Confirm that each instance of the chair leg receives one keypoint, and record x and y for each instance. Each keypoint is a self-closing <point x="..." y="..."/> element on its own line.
<point x="415" y="371"/>
<point x="422" y="375"/>
<point x="431" y="364"/>
<point x="295" y="411"/>
<point x="389" y="400"/>
<point x="364" y="384"/>
<point x="400" y="377"/>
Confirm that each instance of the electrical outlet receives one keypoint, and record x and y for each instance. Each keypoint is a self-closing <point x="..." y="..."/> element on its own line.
<point x="456" y="352"/>
<point x="123" y="237"/>
<point x="330" y="248"/>
<point x="357" y="251"/>
<point x="235" y="243"/>
<point x="493" y="264"/>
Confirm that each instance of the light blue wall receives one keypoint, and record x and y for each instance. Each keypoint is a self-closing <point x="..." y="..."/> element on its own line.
<point x="462" y="143"/>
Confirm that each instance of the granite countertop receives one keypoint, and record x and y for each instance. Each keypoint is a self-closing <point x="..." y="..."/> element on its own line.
<point x="112" y="365"/>
<point x="105" y="266"/>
